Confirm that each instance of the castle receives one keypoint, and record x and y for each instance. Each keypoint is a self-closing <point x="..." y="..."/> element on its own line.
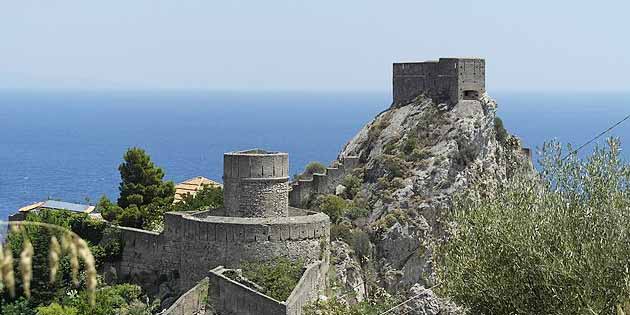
<point x="446" y="80"/>
<point x="256" y="224"/>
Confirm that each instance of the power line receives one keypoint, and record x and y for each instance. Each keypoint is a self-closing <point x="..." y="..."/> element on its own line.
<point x="596" y="137"/>
<point x="408" y="300"/>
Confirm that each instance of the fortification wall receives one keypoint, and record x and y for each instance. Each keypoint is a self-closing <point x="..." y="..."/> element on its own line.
<point x="192" y="302"/>
<point x="256" y="183"/>
<point x="308" y="289"/>
<point x="472" y="77"/>
<point x="303" y="189"/>
<point x="230" y="297"/>
<point x="446" y="80"/>
<point x="192" y="244"/>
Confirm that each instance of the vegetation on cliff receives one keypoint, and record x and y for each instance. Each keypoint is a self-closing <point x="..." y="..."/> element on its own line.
<point x="554" y="244"/>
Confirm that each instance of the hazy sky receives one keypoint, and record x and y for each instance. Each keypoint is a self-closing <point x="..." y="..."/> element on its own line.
<point x="314" y="45"/>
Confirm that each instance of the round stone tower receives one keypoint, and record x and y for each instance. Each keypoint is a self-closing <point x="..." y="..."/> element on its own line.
<point x="256" y="183"/>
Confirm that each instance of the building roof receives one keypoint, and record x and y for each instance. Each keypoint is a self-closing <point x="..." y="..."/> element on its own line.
<point x="58" y="205"/>
<point x="192" y="186"/>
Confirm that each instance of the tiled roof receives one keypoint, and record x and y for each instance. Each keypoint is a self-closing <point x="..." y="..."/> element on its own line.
<point x="192" y="186"/>
<point x="58" y="205"/>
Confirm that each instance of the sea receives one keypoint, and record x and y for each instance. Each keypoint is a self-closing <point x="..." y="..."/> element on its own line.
<point x="67" y="145"/>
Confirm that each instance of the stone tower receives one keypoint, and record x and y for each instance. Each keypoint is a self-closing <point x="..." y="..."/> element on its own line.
<point x="256" y="183"/>
<point x="446" y="80"/>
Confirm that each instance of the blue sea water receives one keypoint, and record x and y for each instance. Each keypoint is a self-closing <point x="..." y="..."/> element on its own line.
<point x="67" y="145"/>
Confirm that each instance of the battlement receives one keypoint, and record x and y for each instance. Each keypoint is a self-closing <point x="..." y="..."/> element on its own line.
<point x="446" y="80"/>
<point x="302" y="190"/>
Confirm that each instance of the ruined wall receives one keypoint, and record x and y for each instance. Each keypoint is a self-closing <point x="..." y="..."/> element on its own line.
<point x="308" y="289"/>
<point x="230" y="297"/>
<point x="303" y="189"/>
<point x="255" y="183"/>
<point x="192" y="244"/>
<point x="445" y="80"/>
<point x="192" y="302"/>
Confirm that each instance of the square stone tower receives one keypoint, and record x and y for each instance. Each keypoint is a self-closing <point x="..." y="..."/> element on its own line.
<point x="446" y="80"/>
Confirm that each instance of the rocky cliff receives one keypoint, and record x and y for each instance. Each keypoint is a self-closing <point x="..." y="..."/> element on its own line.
<point x="413" y="158"/>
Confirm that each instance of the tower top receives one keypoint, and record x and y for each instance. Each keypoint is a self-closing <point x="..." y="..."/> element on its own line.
<point x="445" y="80"/>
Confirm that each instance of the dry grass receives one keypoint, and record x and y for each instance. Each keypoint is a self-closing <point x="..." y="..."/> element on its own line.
<point x="71" y="246"/>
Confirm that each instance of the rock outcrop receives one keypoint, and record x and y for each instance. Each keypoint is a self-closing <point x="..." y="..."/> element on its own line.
<point x="414" y="158"/>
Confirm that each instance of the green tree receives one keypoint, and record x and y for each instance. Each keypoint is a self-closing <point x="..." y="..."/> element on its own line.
<point x="557" y="243"/>
<point x="208" y="198"/>
<point x="334" y="206"/>
<point x="144" y="195"/>
<point x="142" y="181"/>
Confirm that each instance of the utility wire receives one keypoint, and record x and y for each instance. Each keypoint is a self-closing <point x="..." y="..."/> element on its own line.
<point x="408" y="300"/>
<point x="596" y="137"/>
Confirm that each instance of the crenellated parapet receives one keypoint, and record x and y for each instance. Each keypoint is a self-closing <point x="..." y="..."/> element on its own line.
<point x="302" y="190"/>
<point x="255" y="225"/>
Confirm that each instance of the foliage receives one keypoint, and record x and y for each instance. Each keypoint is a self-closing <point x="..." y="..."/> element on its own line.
<point x="375" y="305"/>
<point x="311" y="168"/>
<point x="278" y="277"/>
<point x="499" y="129"/>
<point x="103" y="242"/>
<point x="56" y="309"/>
<point x="17" y="307"/>
<point x="394" y="166"/>
<point x="409" y="144"/>
<point x="144" y="196"/>
<point x="353" y="185"/>
<point x="356" y="213"/>
<point x="554" y="244"/>
<point x="333" y="206"/>
<point x="111" y="300"/>
<point x="208" y="197"/>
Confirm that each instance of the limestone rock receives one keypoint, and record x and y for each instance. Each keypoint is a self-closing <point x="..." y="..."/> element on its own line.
<point x="414" y="158"/>
<point x="425" y="302"/>
<point x="348" y="275"/>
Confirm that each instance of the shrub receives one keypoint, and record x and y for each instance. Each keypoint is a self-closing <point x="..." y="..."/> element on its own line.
<point x="554" y="244"/>
<point x="208" y="198"/>
<point x="409" y="145"/>
<point x="56" y="309"/>
<point x="356" y="213"/>
<point x="394" y="166"/>
<point x="312" y="168"/>
<point x="352" y="184"/>
<point x="375" y="305"/>
<point x="341" y="231"/>
<point x="333" y="206"/>
<point x="278" y="277"/>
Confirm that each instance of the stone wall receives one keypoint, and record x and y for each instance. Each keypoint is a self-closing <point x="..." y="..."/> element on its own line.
<point x="303" y="189"/>
<point x="446" y="80"/>
<point x="226" y="296"/>
<point x="255" y="183"/>
<point x="309" y="288"/>
<point x="192" y="302"/>
<point x="230" y="297"/>
<point x="192" y="244"/>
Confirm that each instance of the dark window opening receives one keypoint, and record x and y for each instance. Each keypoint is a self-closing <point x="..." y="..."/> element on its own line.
<point x="471" y="95"/>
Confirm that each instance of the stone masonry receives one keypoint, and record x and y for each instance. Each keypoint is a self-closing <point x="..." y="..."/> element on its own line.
<point x="446" y="80"/>
<point x="256" y="183"/>
<point x="256" y="225"/>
